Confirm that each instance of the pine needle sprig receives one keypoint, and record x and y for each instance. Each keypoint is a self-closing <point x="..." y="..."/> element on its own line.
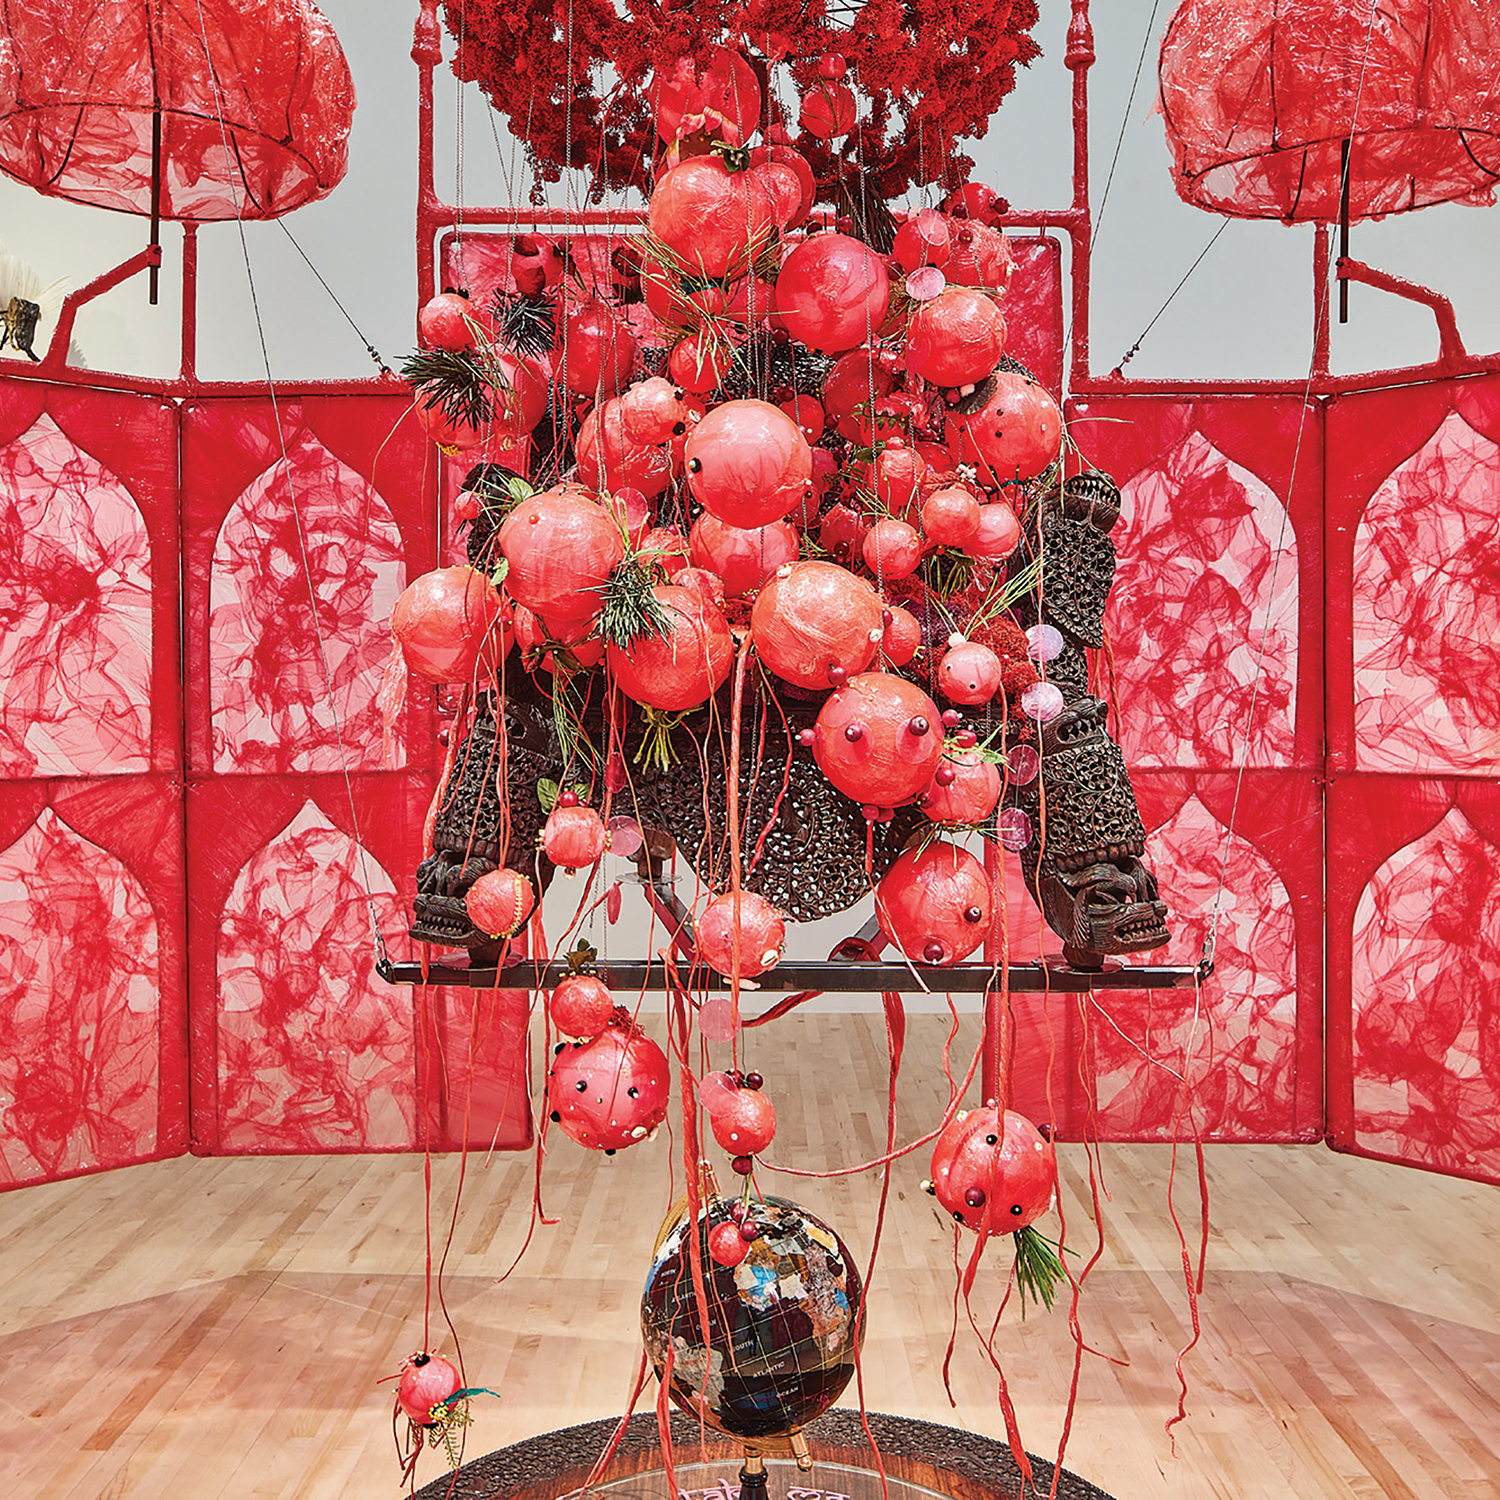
<point x="526" y="324"/>
<point x="631" y="612"/>
<point x="457" y="380"/>
<point x="1039" y="1267"/>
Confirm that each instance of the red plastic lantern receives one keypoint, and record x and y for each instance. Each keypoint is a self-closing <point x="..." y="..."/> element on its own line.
<point x="1258" y="101"/>
<point x="878" y="739"/>
<point x="748" y="463"/>
<point x="991" y="1173"/>
<point x="761" y="938"/>
<point x="903" y="636"/>
<point x="956" y="338"/>
<point x="832" y="293"/>
<point x="652" y="411"/>
<point x="710" y="219"/>
<point x="923" y="240"/>
<point x="794" y="162"/>
<point x="573" y="836"/>
<point x="743" y="558"/>
<point x="612" y="1091"/>
<point x="427" y="1380"/>
<point x="561" y="548"/>
<point x="934" y="903"/>
<point x="965" y="788"/>
<point x="500" y="902"/>
<point x="255" y="105"/>
<point x="449" y="622"/>
<point x="610" y="459"/>
<point x="684" y="668"/>
<point x="581" y="1005"/>
<point x="745" y="1123"/>
<point x="815" y="624"/>
<point x="1015" y="435"/>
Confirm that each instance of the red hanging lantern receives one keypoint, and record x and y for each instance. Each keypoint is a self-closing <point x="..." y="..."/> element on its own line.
<point x="573" y="836"/>
<point x="969" y="673"/>
<point x="1014" y="436"/>
<point x="892" y="549"/>
<point x="712" y="220"/>
<point x="1259" y="100"/>
<point x="934" y="903"/>
<point x="832" y="293"/>
<point x="612" y="1091"/>
<point x="500" y="902"/>
<point x="683" y="668"/>
<point x="998" y="533"/>
<point x="743" y="558"/>
<point x="815" y="624"/>
<point x="878" y="739"/>
<point x="950" y="517"/>
<point x="965" y="788"/>
<point x="745" y="1123"/>
<point x="598" y="353"/>
<point x="956" y="338"/>
<point x="748" y="463"/>
<point x="427" y="1380"/>
<point x="254" y="100"/>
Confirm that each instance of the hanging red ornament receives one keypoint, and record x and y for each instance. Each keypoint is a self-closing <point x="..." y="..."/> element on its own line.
<point x="857" y="380"/>
<point x="500" y="902"/>
<point x="746" y="1123"/>
<point x="726" y="1245"/>
<point x="807" y="413"/>
<point x="444" y="322"/>
<point x="683" y="668"/>
<point x="581" y="1006"/>
<point x="714" y="91"/>
<point x="832" y="293"/>
<point x="896" y="475"/>
<point x="561" y="548"/>
<point x="815" y="623"/>
<point x="450" y="623"/>
<point x="743" y="557"/>
<point x="427" y="1380"/>
<point x="829" y="110"/>
<point x="892" y="549"/>
<point x="878" y="739"/>
<point x="611" y="1091"/>
<point x="598" y="351"/>
<point x="923" y="240"/>
<point x="903" y="636"/>
<point x="979" y="257"/>
<point x="610" y="459"/>
<point x="519" y="398"/>
<point x="955" y="338"/>
<point x="997" y="535"/>
<point x="573" y="837"/>
<point x="748" y="463"/>
<point x="934" y="903"/>
<point x="965" y="788"/>
<point x="794" y="162"/>
<point x="761" y="938"/>
<point x="700" y="361"/>
<point x="453" y="434"/>
<point x="991" y="1173"/>
<point x="1014" y="436"/>
<point x="969" y="673"/>
<point x="950" y="517"/>
<point x="711" y="220"/>
<point x="975" y="200"/>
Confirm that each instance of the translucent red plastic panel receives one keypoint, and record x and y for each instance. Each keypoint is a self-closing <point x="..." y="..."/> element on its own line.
<point x="255" y="103"/>
<point x="1257" y="100"/>
<point x="1214" y="623"/>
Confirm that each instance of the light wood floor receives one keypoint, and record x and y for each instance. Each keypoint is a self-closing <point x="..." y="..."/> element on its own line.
<point x="218" y="1328"/>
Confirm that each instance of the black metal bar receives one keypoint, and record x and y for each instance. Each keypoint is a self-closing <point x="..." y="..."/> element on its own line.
<point x="1345" y="152"/>
<point x="831" y="977"/>
<point x="155" y="190"/>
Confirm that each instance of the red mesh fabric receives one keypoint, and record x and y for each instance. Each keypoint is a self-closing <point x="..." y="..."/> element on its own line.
<point x="88" y="555"/>
<point x="1206" y="623"/>
<point x="255" y="95"/>
<point x="348" y="497"/>
<point x="93" y="1047"/>
<point x="1258" y="99"/>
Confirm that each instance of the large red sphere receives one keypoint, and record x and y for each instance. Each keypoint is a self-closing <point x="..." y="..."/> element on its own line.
<point x="832" y="293"/>
<point x="612" y="1091"/>
<point x="683" y="668"/>
<point x="449" y="623"/>
<point x="762" y="934"/>
<point x="1015" y="435"/>
<point x="561" y="548"/>
<point x="955" y="339"/>
<point x="743" y="558"/>
<point x="711" y="220"/>
<point x="816" y="623"/>
<point x="934" y="903"/>
<point x="748" y="463"/>
<point x="878" y="739"/>
<point x="994" y="1175"/>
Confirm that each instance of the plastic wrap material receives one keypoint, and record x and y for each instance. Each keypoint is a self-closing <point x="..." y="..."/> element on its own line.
<point x="256" y="103"/>
<point x="1258" y="97"/>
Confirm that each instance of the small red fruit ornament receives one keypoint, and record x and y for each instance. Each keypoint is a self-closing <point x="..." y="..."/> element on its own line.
<point x="748" y="463"/>
<point x="1015" y="435"/>
<point x="743" y="558"/>
<point x="612" y="1091"/>
<point x="997" y="1173"/>
<point x="878" y="739"/>
<point x="598" y="352"/>
<point x="443" y="322"/>
<point x="710" y="219"/>
<point x="699" y="362"/>
<point x="815" y="624"/>
<point x="950" y="517"/>
<point x="427" y="1380"/>
<point x="574" y="837"/>
<point x="969" y="673"/>
<point x="857" y="381"/>
<point x="561" y="548"/>
<point x="762" y="934"/>
<point x="903" y="636"/>
<point x="998" y="533"/>
<point x="452" y="434"/>
<point x="934" y="903"/>
<point x="726" y="1245"/>
<point x="500" y="902"/>
<point x="892" y="549"/>
<point x="965" y="788"/>
<point x="581" y="1006"/>
<point x="956" y="338"/>
<point x="829" y="109"/>
<point x="745" y="1123"/>
<point x="832" y="293"/>
<point x="685" y="667"/>
<point x="448" y="622"/>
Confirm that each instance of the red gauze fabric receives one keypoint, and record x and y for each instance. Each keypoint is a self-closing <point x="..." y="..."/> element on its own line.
<point x="256" y="103"/>
<point x="1259" y="95"/>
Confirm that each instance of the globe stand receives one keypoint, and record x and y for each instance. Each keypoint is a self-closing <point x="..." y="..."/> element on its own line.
<point x="753" y="1482"/>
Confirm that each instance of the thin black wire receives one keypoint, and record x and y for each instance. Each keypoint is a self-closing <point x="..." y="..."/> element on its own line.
<point x="1134" y="349"/>
<point x="374" y="353"/>
<point x="1125" y="119"/>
